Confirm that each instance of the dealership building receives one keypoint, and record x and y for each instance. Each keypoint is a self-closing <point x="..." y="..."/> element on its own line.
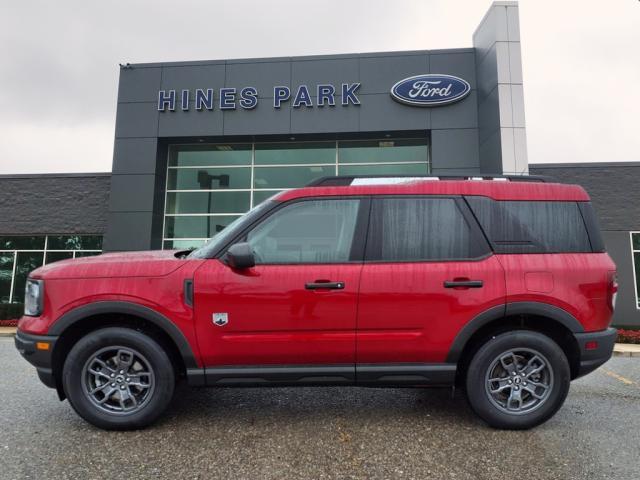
<point x="197" y="144"/>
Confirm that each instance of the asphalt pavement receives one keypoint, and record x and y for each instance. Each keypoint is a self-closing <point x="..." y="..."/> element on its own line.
<point x="322" y="433"/>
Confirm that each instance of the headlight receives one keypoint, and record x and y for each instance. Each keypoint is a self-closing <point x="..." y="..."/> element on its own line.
<point x="33" y="297"/>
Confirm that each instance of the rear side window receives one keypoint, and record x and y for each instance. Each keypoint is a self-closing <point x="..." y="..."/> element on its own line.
<point x="422" y="229"/>
<point x="532" y="226"/>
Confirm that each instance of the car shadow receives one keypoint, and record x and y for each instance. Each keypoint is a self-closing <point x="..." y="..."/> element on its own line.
<point x="299" y="404"/>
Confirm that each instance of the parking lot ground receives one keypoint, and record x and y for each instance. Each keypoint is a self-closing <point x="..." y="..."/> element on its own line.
<point x="322" y="433"/>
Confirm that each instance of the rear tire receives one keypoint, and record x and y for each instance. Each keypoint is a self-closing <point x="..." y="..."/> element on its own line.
<point x="518" y="380"/>
<point x="118" y="379"/>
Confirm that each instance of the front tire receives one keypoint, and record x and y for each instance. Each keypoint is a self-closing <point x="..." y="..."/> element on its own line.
<point x="518" y="380"/>
<point x="118" y="379"/>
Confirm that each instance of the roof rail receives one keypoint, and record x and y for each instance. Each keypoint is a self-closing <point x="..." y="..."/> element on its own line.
<point x="347" y="180"/>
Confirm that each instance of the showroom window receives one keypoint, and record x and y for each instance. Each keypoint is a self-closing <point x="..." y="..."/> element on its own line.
<point x="19" y="255"/>
<point x="209" y="186"/>
<point x="635" y="252"/>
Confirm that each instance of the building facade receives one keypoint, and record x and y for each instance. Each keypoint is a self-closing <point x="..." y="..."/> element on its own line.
<point x="197" y="144"/>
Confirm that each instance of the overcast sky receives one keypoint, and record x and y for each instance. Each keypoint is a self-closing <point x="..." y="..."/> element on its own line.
<point x="59" y="64"/>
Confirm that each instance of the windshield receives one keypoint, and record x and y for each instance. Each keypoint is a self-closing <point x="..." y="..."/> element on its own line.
<point x="219" y="239"/>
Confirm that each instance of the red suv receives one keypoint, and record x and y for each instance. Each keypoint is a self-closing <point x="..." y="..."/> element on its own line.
<point x="500" y="285"/>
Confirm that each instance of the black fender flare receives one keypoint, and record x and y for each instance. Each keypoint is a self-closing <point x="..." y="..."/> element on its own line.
<point x="556" y="314"/>
<point x="104" y="307"/>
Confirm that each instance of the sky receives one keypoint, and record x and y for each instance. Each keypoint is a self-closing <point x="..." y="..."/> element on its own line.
<point x="59" y="64"/>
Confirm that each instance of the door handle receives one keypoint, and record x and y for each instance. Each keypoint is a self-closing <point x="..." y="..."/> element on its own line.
<point x="463" y="283"/>
<point x="324" y="284"/>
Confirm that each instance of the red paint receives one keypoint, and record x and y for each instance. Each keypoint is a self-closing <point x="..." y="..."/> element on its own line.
<point x="580" y="284"/>
<point x="273" y="319"/>
<point x="406" y="315"/>
<point x="386" y="313"/>
<point x="488" y="188"/>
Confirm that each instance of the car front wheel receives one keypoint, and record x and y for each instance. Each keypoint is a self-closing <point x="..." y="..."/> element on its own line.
<point x="518" y="380"/>
<point x="118" y="378"/>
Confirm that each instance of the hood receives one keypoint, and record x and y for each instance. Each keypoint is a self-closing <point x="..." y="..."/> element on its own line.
<point x="130" y="264"/>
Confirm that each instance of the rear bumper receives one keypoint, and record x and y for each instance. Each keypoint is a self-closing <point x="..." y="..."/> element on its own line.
<point x="592" y="358"/>
<point x="39" y="358"/>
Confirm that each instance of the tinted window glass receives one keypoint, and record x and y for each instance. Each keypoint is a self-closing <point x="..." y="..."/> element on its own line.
<point x="318" y="231"/>
<point x="532" y="226"/>
<point x="417" y="229"/>
<point x="210" y="155"/>
<point x="288" y="153"/>
<point x="74" y="242"/>
<point x="6" y="272"/>
<point x="21" y="243"/>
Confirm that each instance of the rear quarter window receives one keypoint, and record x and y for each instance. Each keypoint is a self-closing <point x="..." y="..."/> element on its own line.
<point x="532" y="226"/>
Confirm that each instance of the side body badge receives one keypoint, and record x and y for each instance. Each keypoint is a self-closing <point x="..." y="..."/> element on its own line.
<point x="220" y="319"/>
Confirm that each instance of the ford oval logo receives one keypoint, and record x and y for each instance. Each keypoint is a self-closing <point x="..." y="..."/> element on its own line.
<point x="430" y="90"/>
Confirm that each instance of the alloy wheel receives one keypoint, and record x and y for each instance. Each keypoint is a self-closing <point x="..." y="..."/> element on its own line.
<point x="519" y="381"/>
<point x="118" y="380"/>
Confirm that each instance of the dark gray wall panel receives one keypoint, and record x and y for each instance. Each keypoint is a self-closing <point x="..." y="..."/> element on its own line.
<point x="454" y="148"/>
<point x="490" y="153"/>
<point x="487" y="72"/>
<point x="132" y="193"/>
<point x="64" y="203"/>
<point x="191" y="123"/>
<point x="462" y="114"/>
<point x="461" y="65"/>
<point x="334" y="71"/>
<point x="381" y="112"/>
<point x="263" y="76"/>
<point x="200" y="76"/>
<point x="262" y="120"/>
<point x="325" y="119"/>
<point x="381" y="73"/>
<point x="128" y="231"/>
<point x="488" y="115"/>
<point x="137" y="120"/>
<point x="135" y="155"/>
<point x="139" y="84"/>
<point x="456" y="171"/>
<point x="619" y="247"/>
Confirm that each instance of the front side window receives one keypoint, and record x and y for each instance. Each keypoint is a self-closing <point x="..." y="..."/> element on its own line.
<point x="315" y="231"/>
<point x="421" y="229"/>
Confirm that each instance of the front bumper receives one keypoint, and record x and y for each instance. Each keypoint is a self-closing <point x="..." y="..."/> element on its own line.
<point x="38" y="357"/>
<point x="592" y="358"/>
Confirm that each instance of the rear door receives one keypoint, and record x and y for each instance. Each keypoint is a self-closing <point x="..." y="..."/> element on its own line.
<point x="428" y="270"/>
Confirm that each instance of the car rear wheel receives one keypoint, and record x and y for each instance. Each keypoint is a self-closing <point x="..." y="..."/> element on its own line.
<point x="118" y="378"/>
<point x="518" y="380"/>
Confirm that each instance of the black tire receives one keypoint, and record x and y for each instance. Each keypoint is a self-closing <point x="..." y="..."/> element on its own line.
<point x="497" y="402"/>
<point x="147" y="384"/>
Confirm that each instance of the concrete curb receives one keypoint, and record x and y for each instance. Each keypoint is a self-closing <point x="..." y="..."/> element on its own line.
<point x="626" y="350"/>
<point x="7" y="331"/>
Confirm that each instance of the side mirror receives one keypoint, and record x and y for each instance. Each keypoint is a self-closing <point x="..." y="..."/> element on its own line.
<point x="240" y="256"/>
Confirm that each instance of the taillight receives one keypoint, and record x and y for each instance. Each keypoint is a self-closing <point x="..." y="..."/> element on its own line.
<point x="612" y="292"/>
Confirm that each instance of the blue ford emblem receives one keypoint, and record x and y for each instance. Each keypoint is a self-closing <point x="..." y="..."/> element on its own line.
<point x="430" y="90"/>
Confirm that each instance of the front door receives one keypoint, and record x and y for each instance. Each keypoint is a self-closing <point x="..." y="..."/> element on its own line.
<point x="297" y="306"/>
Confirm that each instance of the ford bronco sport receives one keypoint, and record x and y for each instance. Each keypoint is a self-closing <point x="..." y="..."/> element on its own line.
<point x="499" y="285"/>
